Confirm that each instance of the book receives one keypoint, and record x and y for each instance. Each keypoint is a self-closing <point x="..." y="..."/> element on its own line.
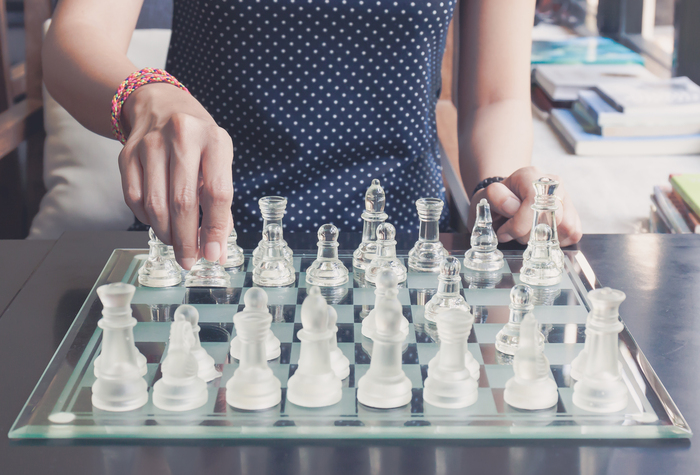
<point x="678" y="224"/>
<point x="670" y="96"/>
<point x="583" y="142"/>
<point x="688" y="187"/>
<point x="658" y="223"/>
<point x="691" y="219"/>
<point x="586" y="50"/>
<point x="605" y="115"/>
<point x="543" y="102"/>
<point x="564" y="82"/>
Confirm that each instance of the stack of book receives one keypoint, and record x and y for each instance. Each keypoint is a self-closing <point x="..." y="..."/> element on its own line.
<point x="633" y="117"/>
<point x="675" y="208"/>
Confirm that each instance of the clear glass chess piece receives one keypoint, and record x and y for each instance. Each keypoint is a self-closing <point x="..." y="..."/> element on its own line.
<point x="272" y="209"/>
<point x="483" y="255"/>
<point x="274" y="269"/>
<point x="327" y="270"/>
<point x="521" y="304"/>
<point x="373" y="216"/>
<point x="428" y="252"/>
<point x="541" y="269"/>
<point x="449" y="291"/>
<point x="207" y="274"/>
<point x="545" y="207"/>
<point x="234" y="253"/>
<point x="159" y="270"/>
<point x="386" y="256"/>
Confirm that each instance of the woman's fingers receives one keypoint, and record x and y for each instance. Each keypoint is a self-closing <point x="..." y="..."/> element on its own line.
<point x="154" y="160"/>
<point x="132" y="182"/>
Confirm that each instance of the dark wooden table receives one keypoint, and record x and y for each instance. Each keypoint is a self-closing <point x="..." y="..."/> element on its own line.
<point x="659" y="273"/>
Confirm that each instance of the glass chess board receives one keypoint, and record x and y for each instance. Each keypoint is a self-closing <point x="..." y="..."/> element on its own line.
<point x="60" y="406"/>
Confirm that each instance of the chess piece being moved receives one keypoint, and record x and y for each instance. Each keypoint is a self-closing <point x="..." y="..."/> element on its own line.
<point x="385" y="385"/>
<point x="540" y="269"/>
<point x="373" y="216"/>
<point x="274" y="270"/>
<point x="272" y="210"/>
<point x="339" y="362"/>
<point x="545" y="207"/>
<point x="314" y="384"/>
<point x="387" y="289"/>
<point x="207" y="274"/>
<point x="521" y="304"/>
<point x="256" y="302"/>
<point x="600" y="387"/>
<point x="449" y="383"/>
<point x="448" y="293"/>
<point x="428" y="252"/>
<point x="180" y="388"/>
<point x="207" y="370"/>
<point x="119" y="385"/>
<point x="483" y="255"/>
<point x="234" y="253"/>
<point x="532" y="387"/>
<point x="160" y="269"/>
<point x="327" y="270"/>
<point x="386" y="255"/>
<point x="253" y="385"/>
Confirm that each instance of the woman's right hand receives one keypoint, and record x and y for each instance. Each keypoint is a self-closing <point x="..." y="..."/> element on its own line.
<point x="175" y="159"/>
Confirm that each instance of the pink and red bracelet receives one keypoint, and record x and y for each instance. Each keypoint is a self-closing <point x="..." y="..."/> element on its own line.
<point x="130" y="84"/>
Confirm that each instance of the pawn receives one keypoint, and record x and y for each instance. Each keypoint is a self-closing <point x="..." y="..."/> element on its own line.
<point x="387" y="289"/>
<point x="253" y="385"/>
<point x="483" y="255"/>
<point x="274" y="269"/>
<point x="207" y="370"/>
<point x="160" y="270"/>
<point x="521" y="304"/>
<point x="385" y="384"/>
<point x="234" y="253"/>
<point x="339" y="362"/>
<point x="449" y="383"/>
<point x="255" y="300"/>
<point x="207" y="274"/>
<point x="314" y="384"/>
<point x="448" y="293"/>
<point x="180" y="388"/>
<point x="386" y="255"/>
<point x="327" y="270"/>
<point x="532" y="387"/>
<point x="541" y="269"/>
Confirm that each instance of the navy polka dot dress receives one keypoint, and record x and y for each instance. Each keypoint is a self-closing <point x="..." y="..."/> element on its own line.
<point x="319" y="97"/>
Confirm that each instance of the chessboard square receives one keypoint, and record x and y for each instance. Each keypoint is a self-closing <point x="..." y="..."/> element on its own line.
<point x="567" y="333"/>
<point x="411" y="338"/>
<point x="215" y="332"/>
<point x="418" y="313"/>
<point x="153" y="313"/>
<point x="151" y="331"/>
<point x="496" y="314"/>
<point x="237" y="279"/>
<point x="281" y="372"/>
<point x="484" y="405"/>
<point x="159" y="296"/>
<point x="365" y="296"/>
<point x="425" y="333"/>
<point x="283" y="331"/>
<point x="413" y="373"/>
<point x="282" y="313"/>
<point x="562" y="376"/>
<point x="358" y="333"/>
<point x="410" y="355"/>
<point x="303" y="284"/>
<point x="346" y="313"/>
<point x="426" y="352"/>
<point x="498" y="375"/>
<point x="218" y="351"/>
<point x="215" y="313"/>
<point x="277" y="295"/>
<point x="486" y="332"/>
<point x="360" y="370"/>
<point x="422" y="280"/>
<point x="562" y="353"/>
<point x="487" y="297"/>
<point x="421" y="296"/>
<point x="488" y="353"/>
<point x="475" y="350"/>
<point x="346" y="332"/>
<point x="561" y="314"/>
<point x="363" y="348"/>
<point x="294" y="353"/>
<point x="212" y="296"/>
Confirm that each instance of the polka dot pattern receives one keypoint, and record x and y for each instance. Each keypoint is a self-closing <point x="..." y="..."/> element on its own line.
<point x="319" y="97"/>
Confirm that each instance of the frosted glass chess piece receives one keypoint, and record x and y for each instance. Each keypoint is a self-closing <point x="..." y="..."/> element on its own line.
<point x="160" y="269"/>
<point x="373" y="216"/>
<point x="386" y="255"/>
<point x="272" y="210"/>
<point x="448" y="293"/>
<point x="449" y="383"/>
<point x="387" y="289"/>
<point x="339" y="362"/>
<point x="119" y="385"/>
<point x="532" y="387"/>
<point x="207" y="274"/>
<point x="207" y="370"/>
<point x="255" y="300"/>
<point x="314" y="384"/>
<point x="327" y="270"/>
<point x="521" y="304"/>
<point x="540" y="269"/>
<point x="274" y="270"/>
<point x="469" y="361"/>
<point x="545" y="207"/>
<point x="253" y="385"/>
<point x="600" y="387"/>
<point x="428" y="252"/>
<point x="180" y="388"/>
<point x="385" y="385"/>
<point x="483" y="255"/>
<point x="234" y="253"/>
<point x="117" y="304"/>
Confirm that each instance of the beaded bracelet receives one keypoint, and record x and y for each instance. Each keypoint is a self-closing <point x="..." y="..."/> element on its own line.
<point x="486" y="182"/>
<point x="130" y="84"/>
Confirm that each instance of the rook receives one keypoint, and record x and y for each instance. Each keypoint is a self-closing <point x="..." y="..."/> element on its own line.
<point x="272" y="209"/>
<point x="428" y="252"/>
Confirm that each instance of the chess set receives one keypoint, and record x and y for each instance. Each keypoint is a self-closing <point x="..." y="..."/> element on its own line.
<point x="375" y="343"/>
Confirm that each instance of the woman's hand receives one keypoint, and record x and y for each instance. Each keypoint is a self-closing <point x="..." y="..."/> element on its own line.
<point x="510" y="203"/>
<point x="175" y="159"/>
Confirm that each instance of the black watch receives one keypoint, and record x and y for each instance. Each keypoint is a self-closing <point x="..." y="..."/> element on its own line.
<point x="486" y="182"/>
